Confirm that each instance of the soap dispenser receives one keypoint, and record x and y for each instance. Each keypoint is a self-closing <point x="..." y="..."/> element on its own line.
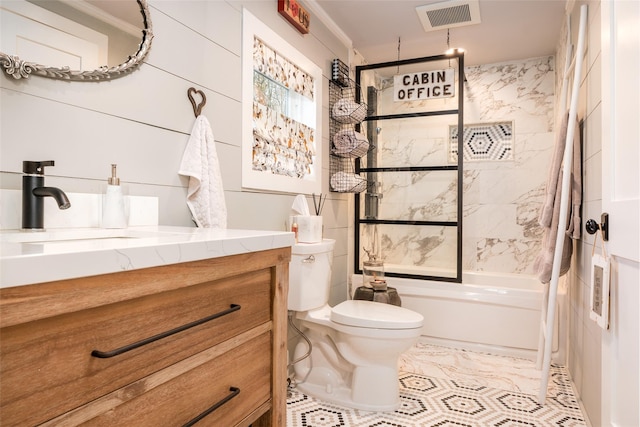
<point x="113" y="209"/>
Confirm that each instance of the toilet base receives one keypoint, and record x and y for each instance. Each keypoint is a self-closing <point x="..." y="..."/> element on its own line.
<point x="388" y="398"/>
<point x="376" y="388"/>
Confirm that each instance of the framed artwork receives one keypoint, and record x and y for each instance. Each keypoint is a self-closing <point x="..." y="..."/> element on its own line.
<point x="281" y="113"/>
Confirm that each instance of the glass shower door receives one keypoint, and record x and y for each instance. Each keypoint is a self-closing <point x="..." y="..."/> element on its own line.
<point x="411" y="214"/>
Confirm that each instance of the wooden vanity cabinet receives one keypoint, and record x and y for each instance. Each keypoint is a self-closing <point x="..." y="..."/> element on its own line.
<point x="201" y="342"/>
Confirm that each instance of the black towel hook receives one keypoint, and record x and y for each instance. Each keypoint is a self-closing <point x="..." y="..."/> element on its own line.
<point x="197" y="108"/>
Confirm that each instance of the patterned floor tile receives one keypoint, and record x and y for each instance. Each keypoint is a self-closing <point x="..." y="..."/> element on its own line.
<point x="448" y="402"/>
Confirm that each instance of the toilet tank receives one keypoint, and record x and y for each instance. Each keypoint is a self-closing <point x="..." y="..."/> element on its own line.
<point x="310" y="275"/>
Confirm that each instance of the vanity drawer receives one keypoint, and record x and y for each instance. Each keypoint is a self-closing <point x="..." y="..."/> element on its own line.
<point x="46" y="366"/>
<point x="235" y="383"/>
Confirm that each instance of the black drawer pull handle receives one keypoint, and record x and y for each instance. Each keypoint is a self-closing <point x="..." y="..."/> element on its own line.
<point x="118" y="351"/>
<point x="234" y="392"/>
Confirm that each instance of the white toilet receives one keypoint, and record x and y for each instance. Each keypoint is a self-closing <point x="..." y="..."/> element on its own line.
<point x="355" y="345"/>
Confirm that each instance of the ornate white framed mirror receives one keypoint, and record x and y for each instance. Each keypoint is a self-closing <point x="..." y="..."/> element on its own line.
<point x="80" y="40"/>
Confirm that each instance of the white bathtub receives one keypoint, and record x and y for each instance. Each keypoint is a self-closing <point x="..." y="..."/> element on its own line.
<point x="495" y="313"/>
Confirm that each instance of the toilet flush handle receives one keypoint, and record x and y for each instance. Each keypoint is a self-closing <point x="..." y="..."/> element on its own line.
<point x="311" y="258"/>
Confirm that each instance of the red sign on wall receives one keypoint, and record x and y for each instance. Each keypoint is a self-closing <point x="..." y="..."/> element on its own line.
<point x="295" y="14"/>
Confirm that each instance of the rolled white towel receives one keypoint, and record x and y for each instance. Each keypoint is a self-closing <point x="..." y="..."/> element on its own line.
<point x="349" y="143"/>
<point x="344" y="182"/>
<point x="348" y="111"/>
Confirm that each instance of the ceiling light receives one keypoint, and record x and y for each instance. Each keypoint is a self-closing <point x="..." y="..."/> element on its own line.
<point x="452" y="50"/>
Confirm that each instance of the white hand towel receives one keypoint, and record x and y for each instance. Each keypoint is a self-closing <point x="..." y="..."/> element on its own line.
<point x="205" y="196"/>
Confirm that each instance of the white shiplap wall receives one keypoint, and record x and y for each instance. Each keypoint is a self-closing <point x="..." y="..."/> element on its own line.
<point x="142" y="121"/>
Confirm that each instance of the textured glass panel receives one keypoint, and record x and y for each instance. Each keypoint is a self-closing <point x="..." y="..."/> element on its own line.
<point x="409" y="249"/>
<point x="270" y="93"/>
<point x="281" y="99"/>
<point x="412" y="196"/>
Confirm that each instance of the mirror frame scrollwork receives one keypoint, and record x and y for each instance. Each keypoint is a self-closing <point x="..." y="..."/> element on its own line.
<point x="20" y="69"/>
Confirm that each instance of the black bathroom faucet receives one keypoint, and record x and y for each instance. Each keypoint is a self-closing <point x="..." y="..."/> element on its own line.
<point x="33" y="192"/>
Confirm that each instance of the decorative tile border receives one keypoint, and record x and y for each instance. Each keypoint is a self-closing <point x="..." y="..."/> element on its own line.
<point x="482" y="142"/>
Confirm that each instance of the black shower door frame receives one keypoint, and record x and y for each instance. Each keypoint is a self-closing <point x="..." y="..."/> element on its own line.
<point x="359" y="168"/>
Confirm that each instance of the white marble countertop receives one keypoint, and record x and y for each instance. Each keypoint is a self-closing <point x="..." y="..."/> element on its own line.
<point x="36" y="257"/>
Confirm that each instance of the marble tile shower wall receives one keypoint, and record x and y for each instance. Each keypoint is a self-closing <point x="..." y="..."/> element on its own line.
<point x="501" y="197"/>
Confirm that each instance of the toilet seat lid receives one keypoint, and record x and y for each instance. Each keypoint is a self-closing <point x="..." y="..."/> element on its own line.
<point x="369" y="314"/>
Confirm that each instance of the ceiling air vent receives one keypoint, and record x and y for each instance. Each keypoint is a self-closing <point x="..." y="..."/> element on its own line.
<point x="449" y="14"/>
